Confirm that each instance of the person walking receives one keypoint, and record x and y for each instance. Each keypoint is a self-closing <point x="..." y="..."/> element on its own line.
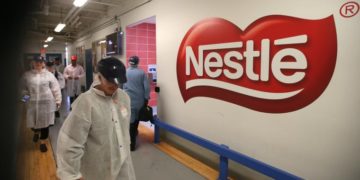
<point x="45" y="99"/>
<point x="60" y="78"/>
<point x="138" y="88"/>
<point x="94" y="142"/>
<point x="73" y="73"/>
<point x="58" y="65"/>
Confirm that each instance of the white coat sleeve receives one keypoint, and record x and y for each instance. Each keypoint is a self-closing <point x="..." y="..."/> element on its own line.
<point x="55" y="89"/>
<point x="72" y="138"/>
<point x="23" y="85"/>
<point x="61" y="80"/>
<point x="66" y="73"/>
<point x="81" y="72"/>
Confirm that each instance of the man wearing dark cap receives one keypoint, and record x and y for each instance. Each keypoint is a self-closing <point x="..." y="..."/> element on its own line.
<point x="94" y="142"/>
<point x="50" y="66"/>
<point x="58" y="65"/>
<point x="138" y="89"/>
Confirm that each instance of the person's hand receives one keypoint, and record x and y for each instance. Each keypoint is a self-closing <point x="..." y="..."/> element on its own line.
<point x="76" y="78"/>
<point x="58" y="106"/>
<point x="70" y="77"/>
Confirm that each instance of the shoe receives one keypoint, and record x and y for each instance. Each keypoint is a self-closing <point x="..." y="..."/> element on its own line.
<point x="43" y="148"/>
<point x="36" y="137"/>
<point x="57" y="114"/>
<point x="132" y="147"/>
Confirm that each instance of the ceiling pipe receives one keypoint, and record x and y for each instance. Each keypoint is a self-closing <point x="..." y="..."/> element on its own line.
<point x="35" y="23"/>
<point x="72" y="23"/>
<point x="109" y="22"/>
<point x="78" y="24"/>
<point x="70" y="13"/>
<point x="46" y="7"/>
<point x="104" y="3"/>
<point x="74" y="14"/>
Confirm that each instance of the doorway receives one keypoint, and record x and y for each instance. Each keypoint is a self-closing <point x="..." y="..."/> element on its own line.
<point x="141" y="41"/>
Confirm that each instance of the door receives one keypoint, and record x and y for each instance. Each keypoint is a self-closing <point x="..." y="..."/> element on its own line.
<point x="89" y="68"/>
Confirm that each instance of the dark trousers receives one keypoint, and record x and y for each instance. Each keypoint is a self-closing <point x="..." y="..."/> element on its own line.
<point x="72" y="99"/>
<point x="44" y="132"/>
<point x="134" y="132"/>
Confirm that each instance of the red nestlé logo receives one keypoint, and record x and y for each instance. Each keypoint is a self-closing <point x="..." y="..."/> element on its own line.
<point x="278" y="64"/>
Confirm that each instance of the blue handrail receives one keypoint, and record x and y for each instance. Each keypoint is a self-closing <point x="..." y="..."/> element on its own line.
<point x="224" y="152"/>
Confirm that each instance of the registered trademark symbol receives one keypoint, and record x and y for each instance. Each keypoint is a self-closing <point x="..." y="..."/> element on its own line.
<point x="349" y="9"/>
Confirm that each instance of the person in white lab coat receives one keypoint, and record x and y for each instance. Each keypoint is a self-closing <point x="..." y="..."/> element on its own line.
<point x="94" y="140"/>
<point x="73" y="73"/>
<point x="59" y="76"/>
<point x="58" y="65"/>
<point x="45" y="99"/>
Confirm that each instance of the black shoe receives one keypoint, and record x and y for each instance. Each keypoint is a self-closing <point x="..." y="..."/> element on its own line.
<point x="36" y="137"/>
<point x="132" y="147"/>
<point x="43" y="148"/>
<point x="57" y="114"/>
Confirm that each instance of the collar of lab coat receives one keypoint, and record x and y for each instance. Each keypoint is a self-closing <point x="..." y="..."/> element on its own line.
<point x="42" y="71"/>
<point x="101" y="93"/>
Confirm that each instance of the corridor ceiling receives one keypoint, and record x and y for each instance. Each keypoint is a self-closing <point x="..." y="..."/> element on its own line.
<point x="46" y="14"/>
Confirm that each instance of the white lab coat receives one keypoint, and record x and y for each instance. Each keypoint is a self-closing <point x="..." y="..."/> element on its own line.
<point x="59" y="68"/>
<point x="73" y="85"/>
<point x="44" y="92"/>
<point x="94" y="140"/>
<point x="61" y="80"/>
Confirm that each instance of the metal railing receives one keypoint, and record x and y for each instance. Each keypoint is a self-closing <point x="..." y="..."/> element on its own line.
<point x="225" y="153"/>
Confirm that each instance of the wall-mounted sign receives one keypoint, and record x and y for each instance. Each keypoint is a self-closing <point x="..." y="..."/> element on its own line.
<point x="278" y="64"/>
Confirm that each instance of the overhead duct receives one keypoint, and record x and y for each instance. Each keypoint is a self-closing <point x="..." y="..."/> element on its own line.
<point x="70" y="13"/>
<point x="46" y="7"/>
<point x="72" y="23"/>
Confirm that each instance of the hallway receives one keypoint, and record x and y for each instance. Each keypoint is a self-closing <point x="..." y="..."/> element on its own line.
<point x="150" y="162"/>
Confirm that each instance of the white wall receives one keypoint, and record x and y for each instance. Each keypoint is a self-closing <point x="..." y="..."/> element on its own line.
<point x="319" y="141"/>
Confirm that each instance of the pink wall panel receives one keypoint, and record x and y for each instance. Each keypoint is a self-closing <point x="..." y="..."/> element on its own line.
<point x="142" y="32"/>
<point x="142" y="26"/>
<point x="151" y="40"/>
<point x="131" y="31"/>
<point x="141" y="41"/>
<point x="130" y="39"/>
<point x="131" y="47"/>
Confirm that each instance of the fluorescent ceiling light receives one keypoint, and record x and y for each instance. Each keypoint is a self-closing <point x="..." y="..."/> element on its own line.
<point x="79" y="3"/>
<point x="45" y="45"/>
<point x="59" y="27"/>
<point x="50" y="38"/>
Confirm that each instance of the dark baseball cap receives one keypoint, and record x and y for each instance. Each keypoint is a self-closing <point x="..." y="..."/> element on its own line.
<point x="134" y="60"/>
<point x="112" y="69"/>
<point x="49" y="63"/>
<point x="39" y="58"/>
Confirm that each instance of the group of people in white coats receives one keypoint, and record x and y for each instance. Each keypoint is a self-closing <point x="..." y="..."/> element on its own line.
<point x="100" y="131"/>
<point x="44" y="84"/>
